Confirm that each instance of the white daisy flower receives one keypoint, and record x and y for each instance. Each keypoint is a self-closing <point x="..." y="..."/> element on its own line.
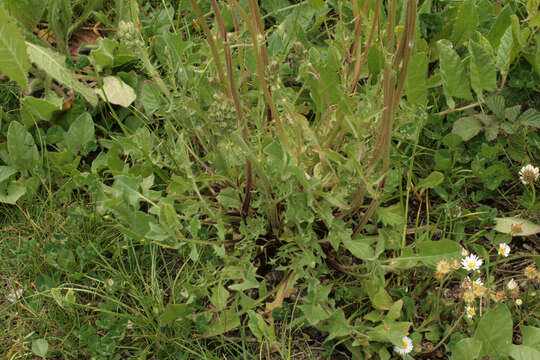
<point x="470" y="311"/>
<point x="504" y="249"/>
<point x="475" y="283"/>
<point x="407" y="346"/>
<point x="471" y="262"/>
<point x="528" y="174"/>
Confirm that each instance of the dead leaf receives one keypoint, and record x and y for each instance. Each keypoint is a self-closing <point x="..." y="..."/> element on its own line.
<point x="283" y="292"/>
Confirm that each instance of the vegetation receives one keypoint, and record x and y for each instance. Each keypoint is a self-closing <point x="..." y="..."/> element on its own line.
<point x="269" y="180"/>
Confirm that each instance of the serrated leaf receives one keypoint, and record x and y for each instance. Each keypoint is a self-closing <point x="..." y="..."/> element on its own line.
<point x="117" y="92"/>
<point x="53" y="64"/>
<point x="500" y="25"/>
<point x="466" y="22"/>
<point x="219" y="297"/>
<point x="81" y="136"/>
<point x="504" y="51"/>
<point x="516" y="226"/>
<point x="494" y="330"/>
<point x="13" y="57"/>
<point x="391" y="215"/>
<point x="378" y="295"/>
<point x="416" y="85"/>
<point x="483" y="70"/>
<point x="496" y="104"/>
<point x="336" y="325"/>
<point x="530" y="117"/>
<point x="59" y="18"/>
<point x="466" y="127"/>
<point x="21" y="147"/>
<point x="454" y="78"/>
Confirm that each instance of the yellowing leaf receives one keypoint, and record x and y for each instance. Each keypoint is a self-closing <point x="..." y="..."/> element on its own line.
<point x="516" y="226"/>
<point x="117" y="92"/>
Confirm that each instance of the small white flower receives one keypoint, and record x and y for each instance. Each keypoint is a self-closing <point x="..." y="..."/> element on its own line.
<point x="475" y="283"/>
<point x="471" y="262"/>
<point x="512" y="284"/>
<point x="110" y="282"/>
<point x="528" y="174"/>
<point x="407" y="346"/>
<point x="14" y="296"/>
<point x="519" y="302"/>
<point x="464" y="252"/>
<point x="504" y="249"/>
<point x="470" y="311"/>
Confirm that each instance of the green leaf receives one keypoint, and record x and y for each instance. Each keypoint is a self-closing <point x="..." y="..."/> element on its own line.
<point x="10" y="192"/>
<point x="516" y="226"/>
<point x="339" y="233"/>
<point x="537" y="55"/>
<point x="530" y="336"/>
<point x="530" y="117"/>
<point x="391" y="215"/>
<point x="80" y="136"/>
<point x="151" y="98"/>
<point x="6" y="172"/>
<point x="434" y="179"/>
<point x="466" y="127"/>
<point x="13" y="57"/>
<point x="173" y="312"/>
<point x="416" y="85"/>
<point x="466" y="22"/>
<point x="454" y="78"/>
<point x="496" y="104"/>
<point x="500" y="25"/>
<point x="494" y="330"/>
<point x="429" y="252"/>
<point x="21" y="147"/>
<point x="40" y="347"/>
<point x="104" y="54"/>
<point x="378" y="295"/>
<point x="28" y="12"/>
<point x="219" y="297"/>
<point x="34" y="110"/>
<point x="116" y="91"/>
<point x="504" y="51"/>
<point x="523" y="352"/>
<point x="466" y="349"/>
<point x="483" y="70"/>
<point x="53" y="64"/>
<point x="390" y="331"/>
<point x="336" y="325"/>
<point x="359" y="249"/>
<point x="59" y="18"/>
<point x="225" y="321"/>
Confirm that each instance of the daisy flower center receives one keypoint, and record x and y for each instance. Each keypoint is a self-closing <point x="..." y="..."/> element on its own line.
<point x="405" y="344"/>
<point x="471" y="264"/>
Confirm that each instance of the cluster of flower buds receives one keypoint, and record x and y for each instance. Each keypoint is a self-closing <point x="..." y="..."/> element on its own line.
<point x="128" y="34"/>
<point x="222" y="112"/>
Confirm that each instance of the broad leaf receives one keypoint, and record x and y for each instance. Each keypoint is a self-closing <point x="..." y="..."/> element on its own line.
<point x="499" y="26"/>
<point x="54" y="65"/>
<point x="28" y="12"/>
<point x="34" y="110"/>
<point x="494" y="330"/>
<point x="434" y="179"/>
<point x="429" y="252"/>
<point x="359" y="249"/>
<point x="80" y="136"/>
<point x="530" y="336"/>
<point x="416" y="85"/>
<point x="454" y="78"/>
<point x="336" y="325"/>
<point x="516" y="226"/>
<point x="13" y="57"/>
<point x="21" y="147"/>
<point x="523" y="352"/>
<point x="466" y="349"/>
<point x="504" y="51"/>
<point x="466" y="22"/>
<point x="104" y="54"/>
<point x="483" y="71"/>
<point x="40" y="347"/>
<point x="466" y="127"/>
<point x="173" y="312"/>
<point x="10" y="192"/>
<point x="117" y="92"/>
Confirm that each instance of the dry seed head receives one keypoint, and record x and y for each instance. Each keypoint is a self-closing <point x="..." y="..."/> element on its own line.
<point x="443" y="267"/>
<point x="480" y="290"/>
<point x="469" y="296"/>
<point x="454" y="264"/>
<point x="498" y="296"/>
<point x="512" y="284"/>
<point x="530" y="272"/>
